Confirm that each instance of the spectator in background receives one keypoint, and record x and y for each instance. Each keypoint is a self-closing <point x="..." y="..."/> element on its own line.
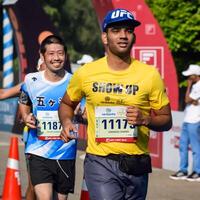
<point x="191" y="127"/>
<point x="85" y="59"/>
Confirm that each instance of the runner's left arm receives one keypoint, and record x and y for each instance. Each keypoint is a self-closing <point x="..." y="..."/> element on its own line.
<point x="158" y="120"/>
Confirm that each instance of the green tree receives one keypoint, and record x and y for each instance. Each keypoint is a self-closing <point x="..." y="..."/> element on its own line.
<point x="77" y="23"/>
<point x="180" y="21"/>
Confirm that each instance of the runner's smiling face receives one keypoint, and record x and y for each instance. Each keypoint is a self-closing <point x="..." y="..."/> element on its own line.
<point x="54" y="57"/>
<point x="119" y="39"/>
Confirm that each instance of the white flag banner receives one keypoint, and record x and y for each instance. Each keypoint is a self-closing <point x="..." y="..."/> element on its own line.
<point x="8" y="75"/>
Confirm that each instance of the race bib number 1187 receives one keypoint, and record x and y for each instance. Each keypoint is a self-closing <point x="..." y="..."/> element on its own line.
<point x="49" y="126"/>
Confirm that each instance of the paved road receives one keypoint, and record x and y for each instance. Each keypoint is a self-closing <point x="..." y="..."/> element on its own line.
<point x="160" y="186"/>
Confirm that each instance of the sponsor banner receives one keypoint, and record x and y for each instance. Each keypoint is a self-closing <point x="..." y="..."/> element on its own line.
<point x="171" y="138"/>
<point x="155" y="147"/>
<point x="8" y="109"/>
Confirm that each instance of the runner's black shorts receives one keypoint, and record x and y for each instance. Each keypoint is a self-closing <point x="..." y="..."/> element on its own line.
<point x="61" y="173"/>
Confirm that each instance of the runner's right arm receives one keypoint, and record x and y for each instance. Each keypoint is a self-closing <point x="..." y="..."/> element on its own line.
<point x="25" y="106"/>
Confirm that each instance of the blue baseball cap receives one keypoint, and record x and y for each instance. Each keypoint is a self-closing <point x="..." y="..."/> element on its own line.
<point x="119" y="15"/>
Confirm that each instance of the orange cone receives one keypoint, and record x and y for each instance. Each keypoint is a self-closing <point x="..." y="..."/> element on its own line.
<point x="12" y="187"/>
<point x="84" y="191"/>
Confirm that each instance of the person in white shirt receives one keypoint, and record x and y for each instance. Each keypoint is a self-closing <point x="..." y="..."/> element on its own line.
<point x="191" y="127"/>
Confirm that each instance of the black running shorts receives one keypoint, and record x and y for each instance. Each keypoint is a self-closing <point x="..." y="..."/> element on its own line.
<point x="61" y="173"/>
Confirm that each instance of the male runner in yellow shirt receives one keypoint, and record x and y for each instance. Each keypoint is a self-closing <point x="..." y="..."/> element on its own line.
<point x="124" y="99"/>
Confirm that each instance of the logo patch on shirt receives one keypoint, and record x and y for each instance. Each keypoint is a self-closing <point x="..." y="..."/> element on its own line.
<point x="34" y="78"/>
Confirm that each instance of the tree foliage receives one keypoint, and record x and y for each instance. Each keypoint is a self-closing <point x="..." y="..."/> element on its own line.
<point x="180" y="22"/>
<point x="77" y="23"/>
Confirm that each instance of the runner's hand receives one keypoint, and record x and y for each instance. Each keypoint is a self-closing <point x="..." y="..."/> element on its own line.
<point x="135" y="116"/>
<point x="67" y="132"/>
<point x="30" y="121"/>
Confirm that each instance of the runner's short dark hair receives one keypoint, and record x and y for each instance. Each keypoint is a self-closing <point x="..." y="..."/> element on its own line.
<point x="52" y="39"/>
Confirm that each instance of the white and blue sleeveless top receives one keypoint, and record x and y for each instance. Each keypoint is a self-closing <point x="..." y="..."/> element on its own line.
<point x="46" y="96"/>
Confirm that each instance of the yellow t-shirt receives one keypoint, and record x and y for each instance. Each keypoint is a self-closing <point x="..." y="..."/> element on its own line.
<point x="140" y="85"/>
